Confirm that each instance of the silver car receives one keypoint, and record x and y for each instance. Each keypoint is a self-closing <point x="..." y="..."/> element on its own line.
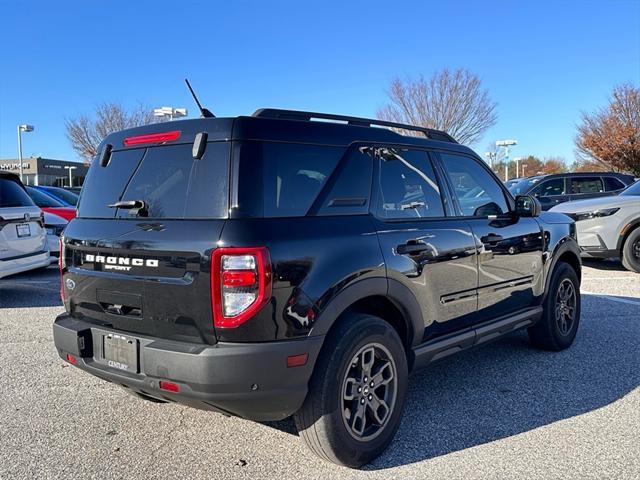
<point x="23" y="240"/>
<point x="609" y="226"/>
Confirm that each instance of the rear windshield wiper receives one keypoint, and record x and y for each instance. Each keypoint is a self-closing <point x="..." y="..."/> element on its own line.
<point x="137" y="207"/>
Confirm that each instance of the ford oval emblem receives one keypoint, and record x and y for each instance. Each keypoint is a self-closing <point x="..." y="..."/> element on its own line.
<point x="70" y="284"/>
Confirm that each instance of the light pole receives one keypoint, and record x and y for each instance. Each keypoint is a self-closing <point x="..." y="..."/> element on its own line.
<point x="22" y="128"/>
<point x="70" y="168"/>
<point x="506" y="144"/>
<point x="517" y="160"/>
<point x="170" y="112"/>
<point x="492" y="157"/>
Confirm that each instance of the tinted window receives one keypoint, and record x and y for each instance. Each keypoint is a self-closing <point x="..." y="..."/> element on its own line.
<point x="586" y="185"/>
<point x="42" y="199"/>
<point x="104" y="185"/>
<point x="293" y="175"/>
<point x="349" y="187"/>
<point x="13" y="195"/>
<point x="478" y="193"/>
<point x="407" y="185"/>
<point x="166" y="178"/>
<point x="548" y="188"/>
<point x="174" y="185"/>
<point x="69" y="197"/>
<point x="611" y="184"/>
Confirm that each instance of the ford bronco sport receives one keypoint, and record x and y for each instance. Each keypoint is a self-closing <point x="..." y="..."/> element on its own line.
<point x="276" y="265"/>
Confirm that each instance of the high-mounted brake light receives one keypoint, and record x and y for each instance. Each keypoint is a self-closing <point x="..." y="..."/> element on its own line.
<point x="240" y="284"/>
<point x="152" y="138"/>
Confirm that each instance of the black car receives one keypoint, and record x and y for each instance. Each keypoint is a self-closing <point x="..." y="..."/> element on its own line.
<point x="274" y="265"/>
<point x="557" y="188"/>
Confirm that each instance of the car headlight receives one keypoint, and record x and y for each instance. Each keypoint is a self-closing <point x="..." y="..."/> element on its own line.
<point x="604" y="212"/>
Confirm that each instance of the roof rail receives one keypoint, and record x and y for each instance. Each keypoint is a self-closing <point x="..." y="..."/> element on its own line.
<point x="362" y="122"/>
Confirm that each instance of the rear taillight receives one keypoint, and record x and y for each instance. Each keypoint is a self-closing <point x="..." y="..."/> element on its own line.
<point x="240" y="284"/>
<point x="61" y="268"/>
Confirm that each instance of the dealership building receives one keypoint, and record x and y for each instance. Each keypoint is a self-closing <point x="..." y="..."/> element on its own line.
<point x="46" y="171"/>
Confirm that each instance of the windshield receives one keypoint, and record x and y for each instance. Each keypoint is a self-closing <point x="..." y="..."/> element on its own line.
<point x="523" y="186"/>
<point x="69" y="197"/>
<point x="42" y="199"/>
<point x="633" y="189"/>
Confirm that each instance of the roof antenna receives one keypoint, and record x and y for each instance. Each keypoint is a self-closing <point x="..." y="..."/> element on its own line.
<point x="204" y="113"/>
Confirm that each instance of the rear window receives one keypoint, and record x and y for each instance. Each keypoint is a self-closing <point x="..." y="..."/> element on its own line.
<point x="168" y="179"/>
<point x="69" y="197"/>
<point x="13" y="195"/>
<point x="43" y="200"/>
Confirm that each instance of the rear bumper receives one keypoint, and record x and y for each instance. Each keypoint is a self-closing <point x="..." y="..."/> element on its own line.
<point x="24" y="263"/>
<point x="249" y="380"/>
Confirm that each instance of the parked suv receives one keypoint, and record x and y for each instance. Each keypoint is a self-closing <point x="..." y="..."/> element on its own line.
<point x="274" y="265"/>
<point x="23" y="241"/>
<point x="553" y="189"/>
<point x="609" y="227"/>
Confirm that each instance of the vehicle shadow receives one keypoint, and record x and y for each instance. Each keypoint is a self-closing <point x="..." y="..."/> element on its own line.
<point x="37" y="288"/>
<point x="509" y="387"/>
<point x="604" y="264"/>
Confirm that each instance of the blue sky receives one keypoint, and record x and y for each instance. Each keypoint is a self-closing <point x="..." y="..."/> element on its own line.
<point x="542" y="61"/>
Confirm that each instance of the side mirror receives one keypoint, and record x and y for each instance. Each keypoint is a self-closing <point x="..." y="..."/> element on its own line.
<point x="527" y="206"/>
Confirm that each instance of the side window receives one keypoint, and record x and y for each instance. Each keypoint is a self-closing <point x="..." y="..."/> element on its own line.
<point x="586" y="185"/>
<point x="293" y="175"/>
<point x="611" y="184"/>
<point x="478" y="193"/>
<point x="350" y="186"/>
<point x="407" y="185"/>
<point x="555" y="186"/>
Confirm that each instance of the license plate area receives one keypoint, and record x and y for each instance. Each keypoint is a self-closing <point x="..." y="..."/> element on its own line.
<point x="121" y="352"/>
<point x="23" y="230"/>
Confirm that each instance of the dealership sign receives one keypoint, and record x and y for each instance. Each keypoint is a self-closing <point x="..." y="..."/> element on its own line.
<point x="13" y="166"/>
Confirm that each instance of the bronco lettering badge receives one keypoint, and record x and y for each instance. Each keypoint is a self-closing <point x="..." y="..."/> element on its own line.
<point x="120" y="263"/>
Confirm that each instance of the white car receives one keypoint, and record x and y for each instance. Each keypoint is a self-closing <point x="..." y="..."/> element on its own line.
<point x="23" y="240"/>
<point x="54" y="225"/>
<point x="608" y="226"/>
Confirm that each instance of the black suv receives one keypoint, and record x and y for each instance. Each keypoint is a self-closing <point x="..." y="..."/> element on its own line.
<point x="276" y="265"/>
<point x="557" y="188"/>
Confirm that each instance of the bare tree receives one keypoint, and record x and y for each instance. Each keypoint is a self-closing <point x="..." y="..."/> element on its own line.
<point x="611" y="135"/>
<point x="85" y="133"/>
<point x="451" y="101"/>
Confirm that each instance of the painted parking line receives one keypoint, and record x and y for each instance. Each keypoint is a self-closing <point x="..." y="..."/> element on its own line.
<point x="613" y="298"/>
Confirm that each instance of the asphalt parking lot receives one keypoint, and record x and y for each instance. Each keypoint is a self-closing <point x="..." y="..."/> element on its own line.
<point x="503" y="411"/>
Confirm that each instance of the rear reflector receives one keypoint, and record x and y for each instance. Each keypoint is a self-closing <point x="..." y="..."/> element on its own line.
<point x="238" y="278"/>
<point x="297" y="360"/>
<point x="152" y="138"/>
<point x="169" y="386"/>
<point x="71" y="359"/>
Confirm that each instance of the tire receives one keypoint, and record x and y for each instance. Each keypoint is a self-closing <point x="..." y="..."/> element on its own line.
<point x="329" y="423"/>
<point x="558" y="326"/>
<point x="631" y="251"/>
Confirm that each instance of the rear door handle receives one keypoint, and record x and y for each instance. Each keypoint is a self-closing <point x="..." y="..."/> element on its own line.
<point x="491" y="238"/>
